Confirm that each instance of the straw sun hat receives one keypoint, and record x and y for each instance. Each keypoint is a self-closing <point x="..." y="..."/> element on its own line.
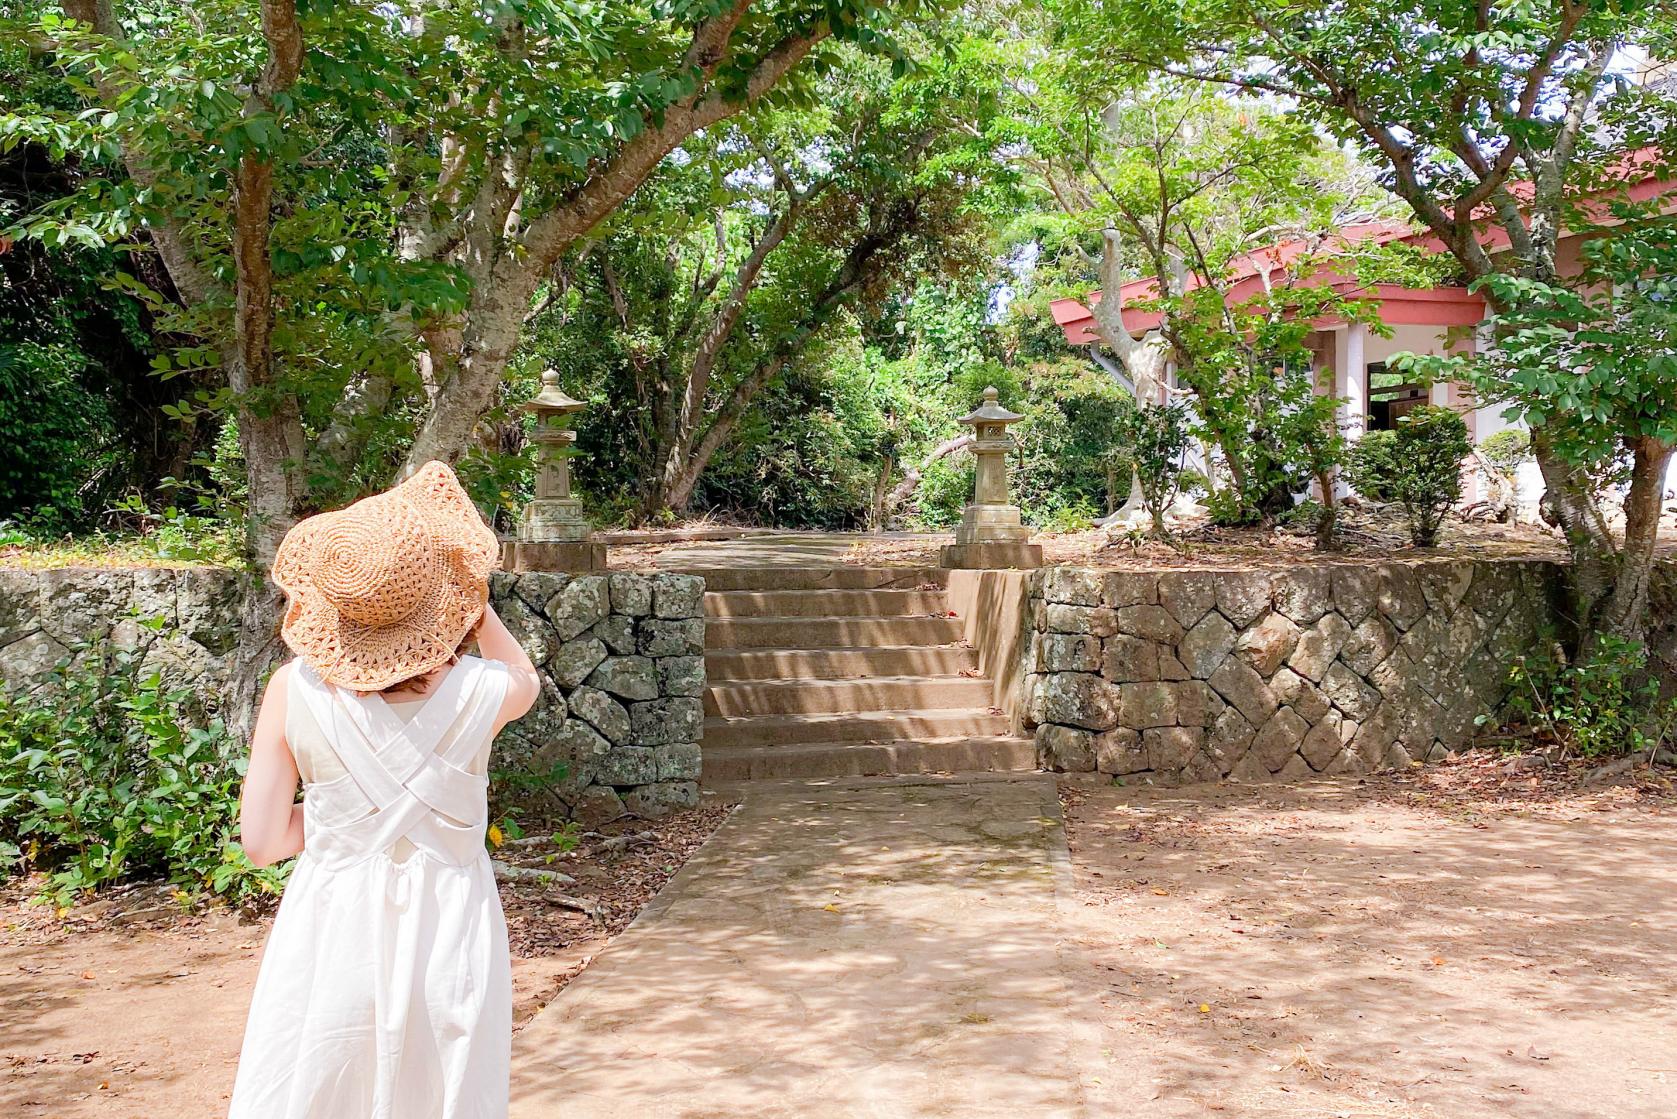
<point x="386" y="588"/>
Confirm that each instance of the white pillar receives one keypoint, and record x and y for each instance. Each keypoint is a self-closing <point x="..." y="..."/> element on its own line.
<point x="1350" y="385"/>
<point x="1350" y="378"/>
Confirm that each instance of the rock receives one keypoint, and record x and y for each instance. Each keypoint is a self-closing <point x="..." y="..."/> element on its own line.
<point x="1243" y="596"/>
<point x="1267" y="645"/>
<point x="20" y="593"/>
<point x="1244" y="689"/>
<point x="1119" y="751"/>
<point x="1279" y="738"/>
<point x="627" y="765"/>
<point x="1068" y="652"/>
<point x="25" y="663"/>
<point x="1250" y="770"/>
<point x="1206" y="646"/>
<point x="604" y="714"/>
<point x="574" y="660"/>
<point x="630" y="594"/>
<point x="1356" y="592"/>
<point x="1188" y="595"/>
<point x="581" y="603"/>
<point x="1400" y="598"/>
<point x="617" y="631"/>
<point x="664" y="638"/>
<point x="1443" y="585"/>
<point x="1163" y="704"/>
<point x="1295" y="769"/>
<point x="1305" y="594"/>
<point x="651" y="801"/>
<point x="1318" y="646"/>
<point x="678" y="761"/>
<point x="576" y="746"/>
<point x="681" y="676"/>
<point x="678" y="596"/>
<point x="1229" y="739"/>
<point x="533" y="588"/>
<point x="1097" y="620"/>
<point x="599" y="804"/>
<point x="1155" y="623"/>
<point x="1169" y="749"/>
<point x="660" y="721"/>
<point x="628" y="677"/>
<point x="1376" y="735"/>
<point x="1129" y="588"/>
<point x="1346" y="690"/>
<point x="1370" y="643"/>
<point x="1078" y="699"/>
<point x="1294" y="691"/>
<point x="1321" y="744"/>
<point x="1129" y="659"/>
<point x="528" y="628"/>
<point x="1074" y="586"/>
<point x="1066" y="749"/>
<point x="1347" y="763"/>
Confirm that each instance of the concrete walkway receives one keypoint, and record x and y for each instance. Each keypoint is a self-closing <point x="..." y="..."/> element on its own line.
<point x="889" y="948"/>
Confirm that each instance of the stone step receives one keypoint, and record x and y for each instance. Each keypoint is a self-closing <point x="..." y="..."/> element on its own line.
<point x="879" y="693"/>
<point x="839" y="664"/>
<point x="723" y="731"/>
<point x="769" y="578"/>
<point x="957" y="754"/>
<point x="829" y="633"/>
<point x="825" y="603"/>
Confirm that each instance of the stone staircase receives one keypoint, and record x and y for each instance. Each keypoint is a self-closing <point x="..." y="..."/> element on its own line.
<point x="844" y="672"/>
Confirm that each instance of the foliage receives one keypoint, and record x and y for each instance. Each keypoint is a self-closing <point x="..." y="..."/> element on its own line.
<point x="1156" y="439"/>
<point x="118" y="779"/>
<point x="1373" y="464"/>
<point x="1605" y="703"/>
<point x="1507" y="450"/>
<point x="1591" y="362"/>
<point x="1419" y="468"/>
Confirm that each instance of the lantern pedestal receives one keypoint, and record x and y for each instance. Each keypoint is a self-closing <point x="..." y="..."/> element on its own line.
<point x="558" y="555"/>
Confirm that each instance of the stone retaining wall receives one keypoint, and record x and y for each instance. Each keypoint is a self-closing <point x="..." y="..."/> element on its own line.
<point x="1199" y="675"/>
<point x="622" y="659"/>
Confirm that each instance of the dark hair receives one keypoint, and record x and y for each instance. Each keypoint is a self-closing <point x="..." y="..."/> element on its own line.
<point x="415" y="683"/>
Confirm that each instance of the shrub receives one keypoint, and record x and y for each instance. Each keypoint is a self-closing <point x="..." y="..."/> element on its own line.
<point x="1419" y="466"/>
<point x="116" y="779"/>
<point x="1156" y="439"/>
<point x="1606" y="703"/>
<point x="1507" y="450"/>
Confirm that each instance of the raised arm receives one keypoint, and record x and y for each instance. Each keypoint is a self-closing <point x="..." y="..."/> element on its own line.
<point x="270" y="819"/>
<point x="496" y="643"/>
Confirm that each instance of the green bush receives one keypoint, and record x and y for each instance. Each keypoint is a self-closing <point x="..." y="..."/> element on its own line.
<point x="1419" y="466"/>
<point x="1373" y="464"/>
<point x="117" y="779"/>
<point x="1507" y="450"/>
<point x="1606" y="703"/>
<point x="1157" y="439"/>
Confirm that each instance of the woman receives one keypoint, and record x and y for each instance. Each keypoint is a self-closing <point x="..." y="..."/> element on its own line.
<point x="385" y="989"/>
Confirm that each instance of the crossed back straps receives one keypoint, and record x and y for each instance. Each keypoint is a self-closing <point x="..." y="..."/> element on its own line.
<point x="402" y="780"/>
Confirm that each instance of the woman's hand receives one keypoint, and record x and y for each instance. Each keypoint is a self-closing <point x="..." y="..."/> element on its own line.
<point x="496" y="643"/>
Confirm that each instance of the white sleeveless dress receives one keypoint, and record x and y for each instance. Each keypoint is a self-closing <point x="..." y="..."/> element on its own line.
<point x="385" y="991"/>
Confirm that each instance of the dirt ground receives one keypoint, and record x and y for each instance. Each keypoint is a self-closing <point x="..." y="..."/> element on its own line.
<point x="129" y="1009"/>
<point x="1472" y="939"/>
<point x="1367" y="539"/>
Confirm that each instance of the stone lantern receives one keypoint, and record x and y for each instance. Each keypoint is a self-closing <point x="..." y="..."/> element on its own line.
<point x="553" y="534"/>
<point x="990" y="533"/>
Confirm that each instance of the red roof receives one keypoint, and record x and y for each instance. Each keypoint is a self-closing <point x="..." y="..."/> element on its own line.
<point x="1640" y="172"/>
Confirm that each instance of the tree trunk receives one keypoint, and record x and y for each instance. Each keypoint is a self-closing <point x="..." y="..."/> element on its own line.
<point x="1626" y="609"/>
<point x="1327" y="528"/>
<point x="1568" y="495"/>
